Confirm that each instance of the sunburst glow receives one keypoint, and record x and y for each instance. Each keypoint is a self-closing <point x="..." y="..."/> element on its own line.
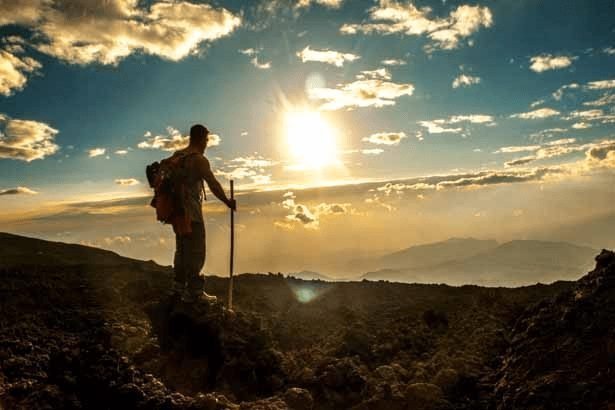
<point x="311" y="140"/>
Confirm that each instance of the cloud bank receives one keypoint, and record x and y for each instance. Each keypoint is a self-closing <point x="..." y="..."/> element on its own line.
<point x="392" y="17"/>
<point x="26" y="140"/>
<point x="106" y="31"/>
<point x="332" y="57"/>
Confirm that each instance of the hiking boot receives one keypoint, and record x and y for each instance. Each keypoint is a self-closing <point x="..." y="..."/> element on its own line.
<point x="200" y="296"/>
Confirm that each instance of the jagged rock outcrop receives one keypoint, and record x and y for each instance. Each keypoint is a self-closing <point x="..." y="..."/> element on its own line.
<point x="562" y="352"/>
<point x="227" y="351"/>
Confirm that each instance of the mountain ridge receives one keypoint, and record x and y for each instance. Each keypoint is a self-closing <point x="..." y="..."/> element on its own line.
<point x="547" y="260"/>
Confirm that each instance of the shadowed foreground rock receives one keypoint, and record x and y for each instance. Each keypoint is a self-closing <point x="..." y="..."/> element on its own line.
<point x="562" y="354"/>
<point x="225" y="350"/>
<point x="103" y="334"/>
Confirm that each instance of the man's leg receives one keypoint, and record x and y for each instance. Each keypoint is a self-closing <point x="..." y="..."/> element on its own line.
<point x="179" y="264"/>
<point x="195" y="258"/>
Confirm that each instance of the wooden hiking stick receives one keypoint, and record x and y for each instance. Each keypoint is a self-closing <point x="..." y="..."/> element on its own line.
<point x="230" y="283"/>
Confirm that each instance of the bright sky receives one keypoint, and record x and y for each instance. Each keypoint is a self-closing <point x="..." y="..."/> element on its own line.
<point x="304" y="93"/>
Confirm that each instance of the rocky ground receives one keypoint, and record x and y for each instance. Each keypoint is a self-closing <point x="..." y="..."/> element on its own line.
<point x="106" y="335"/>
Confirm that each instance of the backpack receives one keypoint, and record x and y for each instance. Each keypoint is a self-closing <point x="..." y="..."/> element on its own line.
<point x="168" y="179"/>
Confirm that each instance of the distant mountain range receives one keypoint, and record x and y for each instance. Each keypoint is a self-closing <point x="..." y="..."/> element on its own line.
<point x="456" y="261"/>
<point x="309" y="275"/>
<point x="472" y="261"/>
<point x="436" y="253"/>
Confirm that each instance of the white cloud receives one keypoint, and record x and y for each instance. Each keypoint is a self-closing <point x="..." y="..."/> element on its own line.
<point x="601" y="85"/>
<point x="378" y="74"/>
<point x="254" y="53"/>
<point x="586" y="114"/>
<point x="540" y="135"/>
<point x="399" y="187"/>
<point x="515" y="149"/>
<point x="562" y="141"/>
<point x="547" y="62"/>
<point x="96" y="152"/>
<point x="127" y="181"/>
<point x="581" y="125"/>
<point x="249" y="51"/>
<point x="394" y="62"/>
<point x="559" y="93"/>
<point x="334" y="4"/>
<point x="106" y="31"/>
<point x="537" y="103"/>
<point x="464" y="80"/>
<point x="473" y="118"/>
<point x="536" y="114"/>
<point x="605" y="99"/>
<point x="251" y="167"/>
<point x="261" y="66"/>
<point x="333" y="57"/>
<point x="253" y="161"/>
<point x="609" y="50"/>
<point x="385" y="138"/>
<point x="171" y="142"/>
<point x="14" y="70"/>
<point x="597" y="115"/>
<point x="438" y="126"/>
<point x="17" y="191"/>
<point x="372" y="151"/>
<point x="121" y="152"/>
<point x="24" y="12"/>
<point x="26" y="140"/>
<point x="392" y="17"/>
<point x="213" y="140"/>
<point x="361" y="93"/>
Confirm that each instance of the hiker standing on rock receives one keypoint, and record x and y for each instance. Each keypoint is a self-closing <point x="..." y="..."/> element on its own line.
<point x="179" y="194"/>
<point x="190" y="248"/>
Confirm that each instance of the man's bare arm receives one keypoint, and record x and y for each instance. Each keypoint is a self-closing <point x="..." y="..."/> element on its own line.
<point x="213" y="184"/>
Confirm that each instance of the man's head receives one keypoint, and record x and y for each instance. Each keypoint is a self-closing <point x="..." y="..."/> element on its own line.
<point x="198" y="136"/>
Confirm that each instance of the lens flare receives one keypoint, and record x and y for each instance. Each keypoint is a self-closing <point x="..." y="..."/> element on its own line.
<point x="304" y="295"/>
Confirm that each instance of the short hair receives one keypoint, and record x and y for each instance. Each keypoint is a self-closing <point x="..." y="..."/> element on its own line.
<point x="197" y="132"/>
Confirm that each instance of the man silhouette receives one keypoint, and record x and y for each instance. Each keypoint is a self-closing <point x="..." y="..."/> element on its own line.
<point x="190" y="248"/>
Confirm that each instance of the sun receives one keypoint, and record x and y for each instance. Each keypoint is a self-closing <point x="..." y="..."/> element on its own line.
<point x="311" y="140"/>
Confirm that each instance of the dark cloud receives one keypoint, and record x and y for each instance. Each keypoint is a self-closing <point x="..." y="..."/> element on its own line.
<point x="601" y="152"/>
<point x="17" y="191"/>
<point x="520" y="161"/>
<point x="500" y="177"/>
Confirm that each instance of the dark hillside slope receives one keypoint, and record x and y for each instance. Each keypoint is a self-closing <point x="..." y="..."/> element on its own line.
<point x="103" y="336"/>
<point x="562" y="354"/>
<point x="19" y="250"/>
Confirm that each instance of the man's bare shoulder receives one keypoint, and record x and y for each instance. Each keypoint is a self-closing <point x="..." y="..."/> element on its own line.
<point x="199" y="163"/>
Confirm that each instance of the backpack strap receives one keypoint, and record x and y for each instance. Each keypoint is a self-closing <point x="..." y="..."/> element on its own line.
<point x="186" y="155"/>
